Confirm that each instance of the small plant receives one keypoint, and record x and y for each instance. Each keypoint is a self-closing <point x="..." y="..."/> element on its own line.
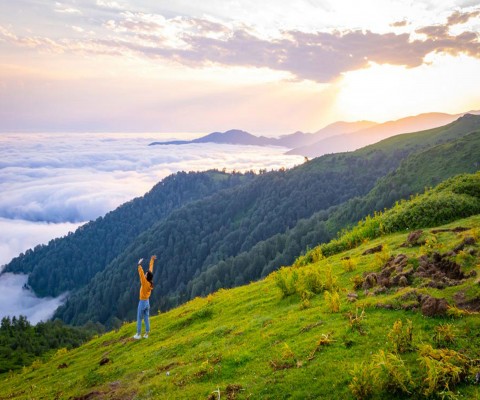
<point x="465" y="259"/>
<point x="363" y="381"/>
<point x="333" y="301"/>
<point x="325" y="340"/>
<point x="444" y="335"/>
<point x="306" y="296"/>
<point x="382" y="257"/>
<point x="432" y="245"/>
<point x="285" y="360"/>
<point x="349" y="264"/>
<point x="330" y="279"/>
<point x="401" y="336"/>
<point x="393" y="375"/>
<point x="357" y="281"/>
<point x="356" y="321"/>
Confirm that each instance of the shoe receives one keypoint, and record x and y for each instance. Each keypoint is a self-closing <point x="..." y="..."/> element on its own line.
<point x="137" y="336"/>
<point x="145" y="336"/>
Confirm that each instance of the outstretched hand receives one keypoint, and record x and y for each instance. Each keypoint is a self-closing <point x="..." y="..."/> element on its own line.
<point x="140" y="261"/>
<point x="154" y="257"/>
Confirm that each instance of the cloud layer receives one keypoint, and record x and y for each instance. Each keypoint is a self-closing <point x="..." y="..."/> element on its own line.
<point x="15" y="300"/>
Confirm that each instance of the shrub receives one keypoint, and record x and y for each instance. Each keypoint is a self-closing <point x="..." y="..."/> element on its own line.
<point x="349" y="264"/>
<point x="333" y="301"/>
<point x="444" y="334"/>
<point x="382" y="256"/>
<point x="401" y="336"/>
<point x="363" y="381"/>
<point x="330" y="279"/>
<point x="443" y="369"/>
<point x="393" y="375"/>
<point x="286" y="280"/>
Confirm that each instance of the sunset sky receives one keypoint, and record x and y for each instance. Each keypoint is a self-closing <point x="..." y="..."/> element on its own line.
<point x="269" y="67"/>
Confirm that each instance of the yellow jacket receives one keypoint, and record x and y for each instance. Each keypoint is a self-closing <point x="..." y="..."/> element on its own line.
<point x="145" y="286"/>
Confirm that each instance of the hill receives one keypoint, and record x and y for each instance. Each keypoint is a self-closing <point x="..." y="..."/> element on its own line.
<point x="236" y="136"/>
<point x="204" y="245"/>
<point x="355" y="140"/>
<point x="395" y="316"/>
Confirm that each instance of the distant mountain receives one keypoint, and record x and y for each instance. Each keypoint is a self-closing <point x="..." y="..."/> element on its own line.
<point x="233" y="136"/>
<point x="349" y="141"/>
<point x="296" y="139"/>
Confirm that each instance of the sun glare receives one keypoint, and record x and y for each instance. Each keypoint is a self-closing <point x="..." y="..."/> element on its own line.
<point x="384" y="92"/>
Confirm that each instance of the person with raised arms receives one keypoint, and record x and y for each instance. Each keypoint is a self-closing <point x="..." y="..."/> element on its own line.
<point x="146" y="287"/>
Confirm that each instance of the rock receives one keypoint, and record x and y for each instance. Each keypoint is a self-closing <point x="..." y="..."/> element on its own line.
<point x="375" y="249"/>
<point x="63" y="365"/>
<point x="432" y="307"/>
<point x="104" y="360"/>
<point x="352" y="297"/>
<point x="412" y="239"/>
<point x="403" y="281"/>
<point x="370" y="281"/>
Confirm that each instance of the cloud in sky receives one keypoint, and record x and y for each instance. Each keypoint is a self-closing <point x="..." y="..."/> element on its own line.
<point x="317" y="56"/>
<point x="161" y="65"/>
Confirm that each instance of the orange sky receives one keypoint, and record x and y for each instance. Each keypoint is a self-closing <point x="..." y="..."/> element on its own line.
<point x="123" y="66"/>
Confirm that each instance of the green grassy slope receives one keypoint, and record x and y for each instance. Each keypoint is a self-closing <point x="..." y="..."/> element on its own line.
<point x="281" y="338"/>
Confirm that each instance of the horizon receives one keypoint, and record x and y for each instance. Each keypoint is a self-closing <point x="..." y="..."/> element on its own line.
<point x="107" y="66"/>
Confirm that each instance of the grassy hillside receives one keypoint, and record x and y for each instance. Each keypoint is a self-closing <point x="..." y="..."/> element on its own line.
<point x="394" y="317"/>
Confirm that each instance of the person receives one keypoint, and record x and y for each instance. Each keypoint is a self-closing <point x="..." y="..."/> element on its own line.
<point x="146" y="286"/>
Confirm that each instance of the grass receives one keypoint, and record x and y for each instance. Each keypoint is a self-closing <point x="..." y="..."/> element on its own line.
<point x="256" y="343"/>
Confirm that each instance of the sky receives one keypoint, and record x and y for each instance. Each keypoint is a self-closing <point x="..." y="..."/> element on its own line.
<point x="267" y="67"/>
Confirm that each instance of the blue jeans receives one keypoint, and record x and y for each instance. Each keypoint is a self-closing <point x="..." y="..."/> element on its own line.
<point x="143" y="312"/>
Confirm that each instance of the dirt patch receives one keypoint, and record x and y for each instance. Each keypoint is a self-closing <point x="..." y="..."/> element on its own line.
<point x="468" y="241"/>
<point x="91" y="395"/>
<point x="232" y="391"/>
<point x="168" y="367"/>
<point x="395" y="272"/>
<point x="466" y="304"/>
<point x="440" y="271"/>
<point x="375" y="249"/>
<point x="458" y="229"/>
<point x="105" y="360"/>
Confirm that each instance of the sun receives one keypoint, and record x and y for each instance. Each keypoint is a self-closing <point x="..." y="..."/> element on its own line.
<point x="384" y="92"/>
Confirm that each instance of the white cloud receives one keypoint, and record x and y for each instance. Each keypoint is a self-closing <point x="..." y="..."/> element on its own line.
<point x="17" y="236"/>
<point x="15" y="300"/>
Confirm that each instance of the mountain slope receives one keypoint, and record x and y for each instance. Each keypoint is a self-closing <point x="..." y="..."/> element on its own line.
<point x="211" y="238"/>
<point x="415" y="173"/>
<point x="364" y="137"/>
<point x="260" y="341"/>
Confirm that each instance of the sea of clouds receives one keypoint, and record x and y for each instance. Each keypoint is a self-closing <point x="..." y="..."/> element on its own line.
<point x="52" y="183"/>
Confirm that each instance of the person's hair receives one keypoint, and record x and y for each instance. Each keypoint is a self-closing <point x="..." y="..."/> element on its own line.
<point x="149" y="277"/>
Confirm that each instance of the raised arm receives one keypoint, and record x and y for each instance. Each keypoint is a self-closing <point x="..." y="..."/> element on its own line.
<point x="152" y="260"/>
